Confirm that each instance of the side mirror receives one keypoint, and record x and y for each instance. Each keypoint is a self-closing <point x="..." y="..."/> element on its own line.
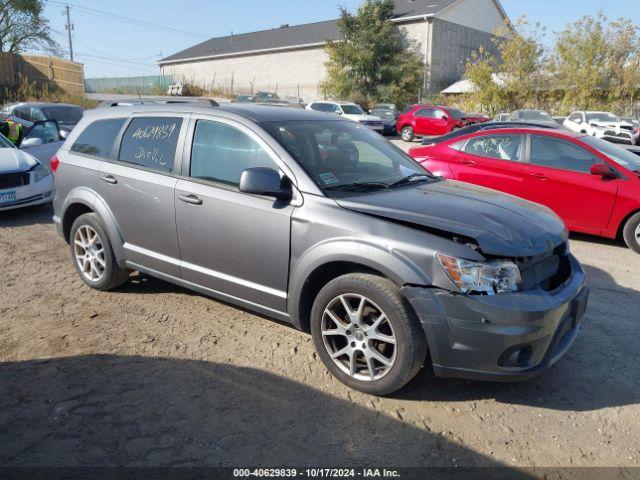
<point x="603" y="170"/>
<point x="338" y="112"/>
<point x="31" y="142"/>
<point x="64" y="134"/>
<point x="264" y="181"/>
<point x="444" y="117"/>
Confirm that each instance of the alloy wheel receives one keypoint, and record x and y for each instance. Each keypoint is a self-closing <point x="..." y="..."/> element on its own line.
<point x="359" y="337"/>
<point x="89" y="253"/>
<point x="637" y="234"/>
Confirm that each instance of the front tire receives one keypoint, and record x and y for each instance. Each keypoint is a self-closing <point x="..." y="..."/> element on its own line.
<point x="93" y="256"/>
<point x="631" y="233"/>
<point x="407" y="134"/>
<point x="366" y="334"/>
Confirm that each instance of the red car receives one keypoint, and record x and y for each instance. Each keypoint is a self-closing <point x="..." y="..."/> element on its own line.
<point x="419" y="120"/>
<point x="593" y="185"/>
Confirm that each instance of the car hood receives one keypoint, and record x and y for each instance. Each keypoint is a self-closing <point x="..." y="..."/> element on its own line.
<point x="502" y="225"/>
<point x="14" y="160"/>
<point x="612" y="124"/>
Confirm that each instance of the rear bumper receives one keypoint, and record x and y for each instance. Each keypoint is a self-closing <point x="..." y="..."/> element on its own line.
<point x="505" y="337"/>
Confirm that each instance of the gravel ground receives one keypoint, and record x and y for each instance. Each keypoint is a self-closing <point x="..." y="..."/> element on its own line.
<point x="154" y="375"/>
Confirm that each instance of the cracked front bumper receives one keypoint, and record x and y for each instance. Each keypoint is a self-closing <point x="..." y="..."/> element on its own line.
<point x="505" y="337"/>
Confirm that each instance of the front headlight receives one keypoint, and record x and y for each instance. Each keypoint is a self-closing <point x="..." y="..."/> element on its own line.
<point x="40" y="172"/>
<point x="494" y="276"/>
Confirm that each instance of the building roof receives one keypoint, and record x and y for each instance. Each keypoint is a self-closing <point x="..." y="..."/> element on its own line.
<point x="310" y="34"/>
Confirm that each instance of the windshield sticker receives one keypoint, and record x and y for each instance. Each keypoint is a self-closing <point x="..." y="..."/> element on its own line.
<point x="328" y="178"/>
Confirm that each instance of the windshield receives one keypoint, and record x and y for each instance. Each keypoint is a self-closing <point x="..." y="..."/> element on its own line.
<point x="455" y="113"/>
<point x="387" y="114"/>
<point x="345" y="156"/>
<point x="352" y="110"/>
<point x="618" y="154"/>
<point x="532" y="115"/>
<point x="5" y="143"/>
<point x="602" y="117"/>
<point x="64" y="115"/>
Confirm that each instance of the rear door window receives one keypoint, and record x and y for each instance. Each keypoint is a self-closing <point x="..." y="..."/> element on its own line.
<point x="151" y="142"/>
<point x="98" y="138"/>
<point x="498" y="147"/>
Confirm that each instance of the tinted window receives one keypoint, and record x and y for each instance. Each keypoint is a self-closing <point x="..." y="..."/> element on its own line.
<point x="574" y="117"/>
<point x="614" y="152"/>
<point x="425" y="112"/>
<point x="352" y="110"/>
<point x="45" y="131"/>
<point x="455" y="113"/>
<point x="98" y="138"/>
<point x="221" y="152"/>
<point x="64" y="115"/>
<point x="151" y="142"/>
<point x="21" y="112"/>
<point x="500" y="147"/>
<point x="556" y="153"/>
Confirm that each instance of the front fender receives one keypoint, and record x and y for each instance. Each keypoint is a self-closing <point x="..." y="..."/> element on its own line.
<point x="389" y="262"/>
<point x="89" y="198"/>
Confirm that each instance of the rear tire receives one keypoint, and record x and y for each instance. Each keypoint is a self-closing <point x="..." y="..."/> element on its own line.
<point x="631" y="233"/>
<point x="382" y="341"/>
<point x="93" y="256"/>
<point x="407" y="134"/>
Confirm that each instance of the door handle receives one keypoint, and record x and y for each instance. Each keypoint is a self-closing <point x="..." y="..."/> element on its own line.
<point x="539" y="176"/>
<point x="190" y="199"/>
<point x="465" y="161"/>
<point x="110" y="179"/>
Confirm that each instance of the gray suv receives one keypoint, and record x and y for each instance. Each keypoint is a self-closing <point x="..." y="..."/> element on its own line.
<point x="320" y="222"/>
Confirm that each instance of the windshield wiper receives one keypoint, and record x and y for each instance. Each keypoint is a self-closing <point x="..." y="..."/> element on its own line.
<point x="414" y="177"/>
<point x="359" y="185"/>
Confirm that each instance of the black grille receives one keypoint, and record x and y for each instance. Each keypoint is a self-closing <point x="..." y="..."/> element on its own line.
<point x="12" y="180"/>
<point x="548" y="271"/>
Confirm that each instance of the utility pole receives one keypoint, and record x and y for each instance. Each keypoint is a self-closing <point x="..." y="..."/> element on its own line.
<point x="69" y="27"/>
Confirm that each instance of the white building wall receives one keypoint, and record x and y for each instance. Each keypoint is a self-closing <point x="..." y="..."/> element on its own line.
<point x="483" y="15"/>
<point x="289" y="73"/>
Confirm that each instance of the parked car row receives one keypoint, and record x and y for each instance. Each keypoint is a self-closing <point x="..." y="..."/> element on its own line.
<point x="605" y="125"/>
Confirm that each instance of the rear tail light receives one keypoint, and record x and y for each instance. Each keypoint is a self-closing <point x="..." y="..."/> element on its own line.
<point x="54" y="163"/>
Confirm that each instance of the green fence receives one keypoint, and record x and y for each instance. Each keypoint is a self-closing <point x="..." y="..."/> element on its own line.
<point x="148" y="85"/>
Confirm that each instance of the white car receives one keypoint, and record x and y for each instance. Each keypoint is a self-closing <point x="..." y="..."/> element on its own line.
<point x="24" y="181"/>
<point x="350" y="111"/>
<point x="603" y="125"/>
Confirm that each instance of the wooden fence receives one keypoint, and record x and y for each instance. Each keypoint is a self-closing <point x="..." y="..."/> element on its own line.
<point x="55" y="73"/>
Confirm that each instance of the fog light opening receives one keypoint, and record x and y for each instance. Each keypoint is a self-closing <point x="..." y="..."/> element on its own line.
<point x="518" y="356"/>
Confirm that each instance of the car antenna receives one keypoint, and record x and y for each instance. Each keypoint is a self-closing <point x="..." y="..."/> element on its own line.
<point x="139" y="96"/>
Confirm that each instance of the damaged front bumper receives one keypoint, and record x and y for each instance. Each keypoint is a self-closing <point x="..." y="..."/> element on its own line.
<point x="505" y="337"/>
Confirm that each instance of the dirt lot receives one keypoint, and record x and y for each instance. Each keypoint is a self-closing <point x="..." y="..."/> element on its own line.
<point x="155" y="375"/>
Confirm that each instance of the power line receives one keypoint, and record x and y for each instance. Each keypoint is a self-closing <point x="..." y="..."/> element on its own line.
<point x="129" y="20"/>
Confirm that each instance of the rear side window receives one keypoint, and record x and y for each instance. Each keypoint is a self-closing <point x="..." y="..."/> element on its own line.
<point x="151" y="142"/>
<point x="499" y="147"/>
<point x="221" y="152"/>
<point x="98" y="138"/>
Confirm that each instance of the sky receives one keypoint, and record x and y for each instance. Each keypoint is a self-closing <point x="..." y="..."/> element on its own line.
<point x="143" y="30"/>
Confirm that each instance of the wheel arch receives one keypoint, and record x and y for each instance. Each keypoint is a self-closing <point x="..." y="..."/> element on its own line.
<point x="623" y="222"/>
<point x="83" y="200"/>
<point x="322" y="264"/>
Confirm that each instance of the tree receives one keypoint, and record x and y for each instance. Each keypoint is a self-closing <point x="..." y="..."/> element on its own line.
<point x="515" y="77"/>
<point x="597" y="62"/>
<point x="23" y="26"/>
<point x="373" y="61"/>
